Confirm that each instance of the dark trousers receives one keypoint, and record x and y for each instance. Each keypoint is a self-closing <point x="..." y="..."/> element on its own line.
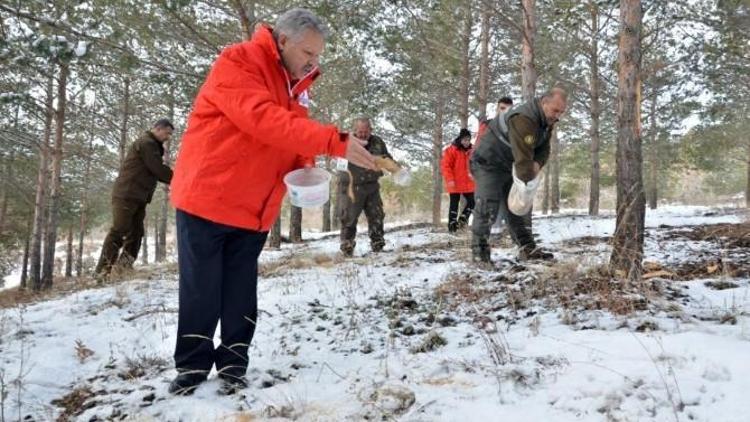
<point x="367" y="199"/>
<point x="126" y="233"/>
<point x="492" y="200"/>
<point x="218" y="267"/>
<point x="455" y="199"/>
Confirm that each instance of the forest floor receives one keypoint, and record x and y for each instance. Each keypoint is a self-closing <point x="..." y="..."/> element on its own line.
<point x="419" y="333"/>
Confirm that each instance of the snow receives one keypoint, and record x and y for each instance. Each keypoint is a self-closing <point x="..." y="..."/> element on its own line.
<point x="328" y="347"/>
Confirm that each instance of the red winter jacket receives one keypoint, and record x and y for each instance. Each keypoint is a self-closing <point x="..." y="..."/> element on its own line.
<point x="248" y="128"/>
<point x="455" y="166"/>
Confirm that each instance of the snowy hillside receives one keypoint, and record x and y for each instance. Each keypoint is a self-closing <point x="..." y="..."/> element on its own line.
<point x="418" y="333"/>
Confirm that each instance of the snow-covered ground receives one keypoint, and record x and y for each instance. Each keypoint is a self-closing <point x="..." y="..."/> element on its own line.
<point x="416" y="333"/>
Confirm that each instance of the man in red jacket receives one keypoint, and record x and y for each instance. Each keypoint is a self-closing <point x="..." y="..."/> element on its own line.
<point x="248" y="128"/>
<point x="458" y="180"/>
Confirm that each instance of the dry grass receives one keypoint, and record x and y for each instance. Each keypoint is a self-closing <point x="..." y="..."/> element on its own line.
<point x="591" y="288"/>
<point x="62" y="286"/>
<point x="75" y="403"/>
<point x="287" y="264"/>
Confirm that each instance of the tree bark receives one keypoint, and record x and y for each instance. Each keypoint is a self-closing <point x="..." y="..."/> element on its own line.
<point x="627" y="244"/>
<point x="144" y="242"/>
<point x="124" y="121"/>
<point x="48" y="267"/>
<point x="484" y="65"/>
<point x="69" y="254"/>
<point x="327" y="205"/>
<point x="8" y="176"/>
<point x="83" y="221"/>
<point x="335" y="221"/>
<point x="40" y="201"/>
<point x="653" y="174"/>
<point x="594" y="111"/>
<point x="528" y="69"/>
<point x="554" y="193"/>
<point x="246" y="19"/>
<point x="545" y="192"/>
<point x="437" y="151"/>
<point x="274" y="238"/>
<point x="160" y="242"/>
<point x="25" y="262"/>
<point x="463" y="91"/>
<point x="747" y="185"/>
<point x="295" y="224"/>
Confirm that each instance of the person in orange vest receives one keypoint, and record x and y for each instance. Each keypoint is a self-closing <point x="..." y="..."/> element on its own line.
<point x="503" y="104"/>
<point x="458" y="180"/>
<point x="248" y="128"/>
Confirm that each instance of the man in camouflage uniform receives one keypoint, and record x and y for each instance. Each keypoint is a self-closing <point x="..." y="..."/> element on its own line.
<point x="517" y="139"/>
<point x="363" y="185"/>
<point x="133" y="189"/>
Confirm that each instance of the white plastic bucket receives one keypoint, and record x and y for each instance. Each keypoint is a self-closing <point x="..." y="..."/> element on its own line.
<point x="308" y="188"/>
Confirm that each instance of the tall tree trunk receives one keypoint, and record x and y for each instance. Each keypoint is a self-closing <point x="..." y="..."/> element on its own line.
<point x="327" y="205"/>
<point x="246" y="17"/>
<point x="554" y="193"/>
<point x="747" y="185"/>
<point x="83" y="221"/>
<point x="160" y="242"/>
<point x="25" y="262"/>
<point x="653" y="159"/>
<point x="437" y="151"/>
<point x="463" y="85"/>
<point x="157" y="233"/>
<point x="274" y="238"/>
<point x="8" y="176"/>
<point x="144" y="244"/>
<point x="594" y="110"/>
<point x="335" y="221"/>
<point x="69" y="254"/>
<point x="40" y="201"/>
<point x="545" y="192"/>
<point x="627" y="244"/>
<point x="528" y="69"/>
<point x="125" y="118"/>
<point x="48" y="267"/>
<point x="484" y="65"/>
<point x="7" y="179"/>
<point x="295" y="224"/>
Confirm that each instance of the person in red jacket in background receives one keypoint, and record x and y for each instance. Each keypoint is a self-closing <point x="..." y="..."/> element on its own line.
<point x="458" y="180"/>
<point x="248" y="128"/>
<point x="503" y="104"/>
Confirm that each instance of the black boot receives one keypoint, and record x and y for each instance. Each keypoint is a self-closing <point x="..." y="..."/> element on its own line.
<point x="463" y="221"/>
<point x="452" y="226"/>
<point x="482" y="255"/>
<point x="532" y="252"/>
<point x="231" y="384"/>
<point x="186" y="383"/>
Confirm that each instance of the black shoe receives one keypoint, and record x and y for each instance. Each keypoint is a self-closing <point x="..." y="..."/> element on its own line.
<point x="185" y="384"/>
<point x="231" y="384"/>
<point x="463" y="222"/>
<point x="528" y="253"/>
<point x="452" y="226"/>
<point x="482" y="255"/>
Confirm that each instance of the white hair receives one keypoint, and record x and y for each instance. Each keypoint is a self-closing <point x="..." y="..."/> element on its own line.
<point x="295" y="22"/>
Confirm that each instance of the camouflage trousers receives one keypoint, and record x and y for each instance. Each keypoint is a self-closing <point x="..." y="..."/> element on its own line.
<point x="492" y="188"/>
<point x="367" y="199"/>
